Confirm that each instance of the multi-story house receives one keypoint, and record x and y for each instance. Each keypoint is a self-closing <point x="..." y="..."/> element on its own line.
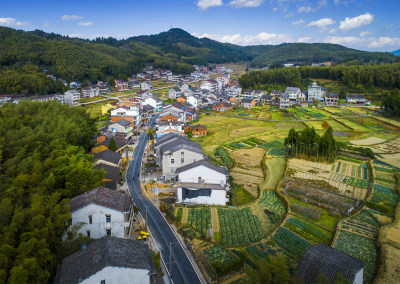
<point x="104" y="212"/>
<point x="315" y="92"/>
<point x="202" y="182"/>
<point x="71" y="97"/>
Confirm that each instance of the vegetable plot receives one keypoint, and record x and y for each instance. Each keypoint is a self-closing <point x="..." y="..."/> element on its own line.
<point x="238" y="226"/>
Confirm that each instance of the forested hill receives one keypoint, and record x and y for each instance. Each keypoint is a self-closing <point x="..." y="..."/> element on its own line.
<point x="108" y="58"/>
<point x="77" y="59"/>
<point x="202" y="51"/>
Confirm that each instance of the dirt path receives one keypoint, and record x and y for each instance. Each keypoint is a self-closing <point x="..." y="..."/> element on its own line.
<point x="185" y="214"/>
<point x="258" y="210"/>
<point x="215" y="219"/>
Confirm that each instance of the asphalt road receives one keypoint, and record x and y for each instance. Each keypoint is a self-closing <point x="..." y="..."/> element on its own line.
<point x="182" y="270"/>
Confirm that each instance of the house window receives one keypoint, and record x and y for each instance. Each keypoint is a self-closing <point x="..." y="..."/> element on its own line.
<point x="182" y="153"/>
<point x="90" y="219"/>
<point x="172" y="169"/>
<point x="108" y="218"/>
<point x="88" y="233"/>
<point x="108" y="232"/>
<point x="172" y="161"/>
<point x="103" y="282"/>
<point x="182" y="160"/>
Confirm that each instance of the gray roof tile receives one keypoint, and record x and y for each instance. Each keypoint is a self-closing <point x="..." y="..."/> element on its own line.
<point x="105" y="252"/>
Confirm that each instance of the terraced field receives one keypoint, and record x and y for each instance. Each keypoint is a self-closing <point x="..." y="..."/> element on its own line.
<point x="349" y="178"/>
<point x="356" y="237"/>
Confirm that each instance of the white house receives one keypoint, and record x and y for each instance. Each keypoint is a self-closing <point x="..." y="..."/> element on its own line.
<point x="176" y="154"/>
<point x="108" y="260"/>
<point x="293" y="92"/>
<point x="202" y="182"/>
<point x="146" y="86"/>
<point x="174" y="92"/>
<point x="128" y="113"/>
<point x="156" y="103"/>
<point x="284" y="101"/>
<point x="71" y="97"/>
<point x="165" y="127"/>
<point x="194" y="101"/>
<point x="315" y="92"/>
<point x="104" y="212"/>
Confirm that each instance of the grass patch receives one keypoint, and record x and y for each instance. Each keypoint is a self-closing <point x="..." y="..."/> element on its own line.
<point x="327" y="221"/>
<point x="240" y="196"/>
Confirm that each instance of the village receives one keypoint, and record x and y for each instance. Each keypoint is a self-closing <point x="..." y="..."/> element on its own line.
<point x="214" y="164"/>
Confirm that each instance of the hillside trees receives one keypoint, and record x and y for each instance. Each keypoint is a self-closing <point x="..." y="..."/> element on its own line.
<point x="43" y="163"/>
<point x="391" y="104"/>
<point x="382" y="76"/>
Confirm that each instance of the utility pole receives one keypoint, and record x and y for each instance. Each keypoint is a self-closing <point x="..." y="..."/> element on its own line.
<point x="170" y="261"/>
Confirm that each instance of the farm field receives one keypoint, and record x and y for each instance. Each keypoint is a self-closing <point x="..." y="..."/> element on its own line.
<point x="392" y="146"/>
<point x="356" y="237"/>
<point x="348" y="178"/>
<point x="247" y="171"/>
<point x="339" y="112"/>
<point x="317" y="195"/>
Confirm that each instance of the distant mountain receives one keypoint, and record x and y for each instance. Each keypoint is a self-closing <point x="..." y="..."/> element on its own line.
<point x="176" y="49"/>
<point x="396" y="52"/>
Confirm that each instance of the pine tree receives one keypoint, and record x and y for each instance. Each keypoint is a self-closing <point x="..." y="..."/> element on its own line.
<point x="113" y="145"/>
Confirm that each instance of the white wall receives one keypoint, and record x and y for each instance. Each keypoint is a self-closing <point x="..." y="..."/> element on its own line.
<point x="99" y="224"/>
<point x="358" y="279"/>
<point x="168" y="169"/>
<point x="218" y="197"/>
<point x="208" y="175"/>
<point x="118" y="275"/>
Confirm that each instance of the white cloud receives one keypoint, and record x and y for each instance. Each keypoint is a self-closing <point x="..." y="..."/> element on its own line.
<point x="331" y="31"/>
<point x="205" y="4"/>
<point x="337" y="2"/>
<point x="365" y="43"/>
<point x="289" y="15"/>
<point x="85" y="23"/>
<point x="71" y="17"/>
<point x="246" y="3"/>
<point x="322" y="4"/>
<point x="46" y="25"/>
<point x="304" y="39"/>
<point x="11" y="22"/>
<point x="305" y="9"/>
<point x="362" y="34"/>
<point x="261" y="38"/>
<point x="322" y="24"/>
<point x="356" y="22"/>
<point x="299" y="22"/>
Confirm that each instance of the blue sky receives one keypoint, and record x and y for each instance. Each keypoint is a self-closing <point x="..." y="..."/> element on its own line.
<point x="363" y="24"/>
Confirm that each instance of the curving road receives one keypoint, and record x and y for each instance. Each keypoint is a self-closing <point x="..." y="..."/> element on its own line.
<point x="182" y="270"/>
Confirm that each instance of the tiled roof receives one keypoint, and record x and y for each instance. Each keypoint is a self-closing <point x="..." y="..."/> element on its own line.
<point x="103" y="196"/>
<point x="108" y="156"/>
<point x="323" y="259"/>
<point x="204" y="163"/>
<point x="121" y="142"/>
<point x="123" y="122"/>
<point x="105" y="252"/>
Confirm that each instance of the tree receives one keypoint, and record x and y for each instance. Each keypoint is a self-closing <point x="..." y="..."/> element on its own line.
<point x="43" y="165"/>
<point x="113" y="145"/>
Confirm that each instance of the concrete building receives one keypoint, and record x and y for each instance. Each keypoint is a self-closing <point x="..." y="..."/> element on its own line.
<point x="71" y="97"/>
<point x="315" y="92"/>
<point x="177" y="153"/>
<point x="104" y="212"/>
<point x="122" y="128"/>
<point x="202" y="182"/>
<point x="156" y="103"/>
